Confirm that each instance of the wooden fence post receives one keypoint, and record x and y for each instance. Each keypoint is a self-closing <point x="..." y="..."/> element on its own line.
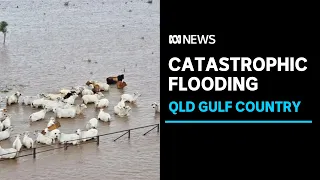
<point x="34" y="153"/>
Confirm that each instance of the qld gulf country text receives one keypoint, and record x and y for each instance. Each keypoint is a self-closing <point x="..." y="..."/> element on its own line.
<point x="176" y="107"/>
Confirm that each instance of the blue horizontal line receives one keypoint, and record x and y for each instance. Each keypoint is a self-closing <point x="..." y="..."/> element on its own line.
<point x="238" y="121"/>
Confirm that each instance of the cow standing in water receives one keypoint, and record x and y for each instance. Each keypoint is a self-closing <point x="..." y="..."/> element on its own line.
<point x="96" y="87"/>
<point x="115" y="79"/>
<point x="121" y="84"/>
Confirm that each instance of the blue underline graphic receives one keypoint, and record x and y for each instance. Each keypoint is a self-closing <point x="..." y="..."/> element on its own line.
<point x="238" y="121"/>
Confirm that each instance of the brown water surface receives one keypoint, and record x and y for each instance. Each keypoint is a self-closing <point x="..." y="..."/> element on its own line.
<point x="47" y="48"/>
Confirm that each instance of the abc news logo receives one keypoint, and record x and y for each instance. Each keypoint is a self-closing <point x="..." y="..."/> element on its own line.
<point x="192" y="39"/>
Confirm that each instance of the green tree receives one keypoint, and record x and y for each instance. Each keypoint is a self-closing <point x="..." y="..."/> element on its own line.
<point x="3" y="29"/>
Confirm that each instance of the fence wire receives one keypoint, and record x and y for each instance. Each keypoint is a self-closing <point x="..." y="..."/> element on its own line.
<point x="66" y="144"/>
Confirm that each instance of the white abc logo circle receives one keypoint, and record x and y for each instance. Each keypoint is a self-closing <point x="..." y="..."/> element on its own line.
<point x="174" y="39"/>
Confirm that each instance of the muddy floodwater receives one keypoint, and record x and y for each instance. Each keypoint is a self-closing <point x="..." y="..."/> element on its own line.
<point x="50" y="46"/>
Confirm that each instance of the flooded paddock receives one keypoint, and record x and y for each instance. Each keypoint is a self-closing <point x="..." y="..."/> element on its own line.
<point x="50" y="46"/>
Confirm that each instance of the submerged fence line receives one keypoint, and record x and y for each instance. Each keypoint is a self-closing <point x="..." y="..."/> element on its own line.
<point x="65" y="145"/>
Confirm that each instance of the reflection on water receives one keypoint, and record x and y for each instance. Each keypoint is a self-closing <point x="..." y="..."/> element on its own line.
<point x="47" y="48"/>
